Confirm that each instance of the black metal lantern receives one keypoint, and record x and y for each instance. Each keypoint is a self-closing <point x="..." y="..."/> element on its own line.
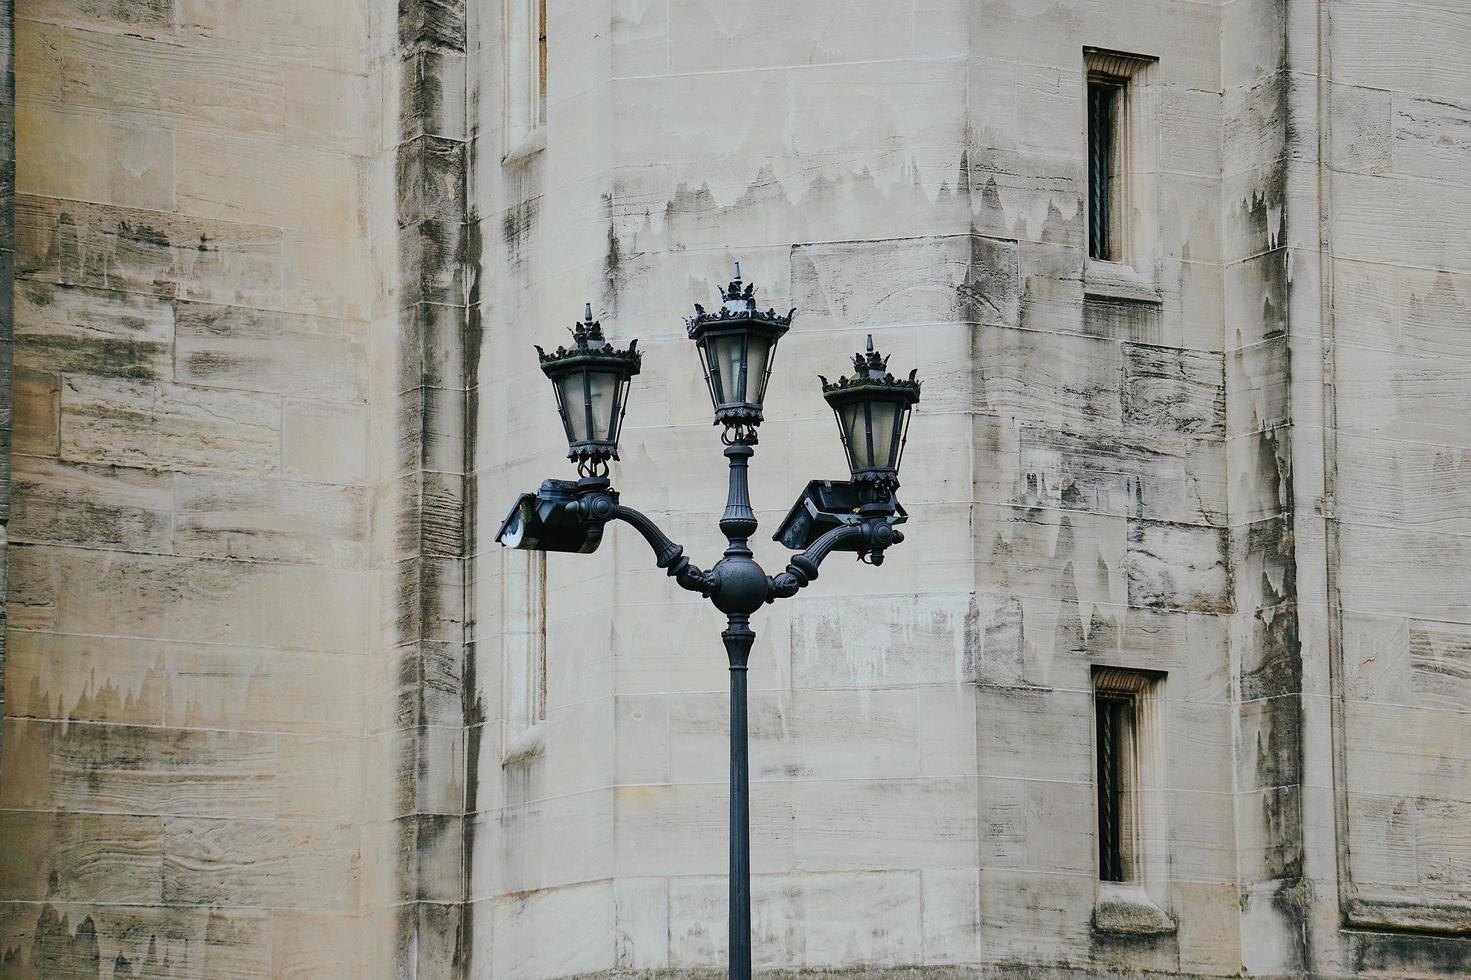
<point x="873" y="409"/>
<point x="591" y="380"/>
<point x="737" y="344"/>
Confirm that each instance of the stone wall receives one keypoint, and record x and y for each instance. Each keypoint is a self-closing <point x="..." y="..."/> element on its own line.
<point x="194" y="678"/>
<point x="275" y="703"/>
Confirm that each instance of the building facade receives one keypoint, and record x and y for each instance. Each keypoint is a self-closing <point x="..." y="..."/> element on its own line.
<point x="1172" y="673"/>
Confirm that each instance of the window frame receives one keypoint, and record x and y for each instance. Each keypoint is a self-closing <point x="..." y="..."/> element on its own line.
<point x="525" y="50"/>
<point x="1129" y="267"/>
<point x="1134" y="901"/>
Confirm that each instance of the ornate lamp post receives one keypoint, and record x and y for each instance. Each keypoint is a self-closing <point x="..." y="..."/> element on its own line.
<point x="737" y="345"/>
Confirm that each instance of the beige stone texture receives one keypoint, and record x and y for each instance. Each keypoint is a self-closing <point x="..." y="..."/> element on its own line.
<point x="276" y="704"/>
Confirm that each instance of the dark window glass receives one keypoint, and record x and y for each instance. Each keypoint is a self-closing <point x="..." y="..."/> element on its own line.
<point x="1104" y="98"/>
<point x="1114" y="718"/>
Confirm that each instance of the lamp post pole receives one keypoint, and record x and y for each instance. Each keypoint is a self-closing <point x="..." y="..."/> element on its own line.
<point x="736" y="347"/>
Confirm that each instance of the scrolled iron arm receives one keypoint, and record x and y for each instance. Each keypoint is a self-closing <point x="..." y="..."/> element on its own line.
<point x="802" y="568"/>
<point x="667" y="554"/>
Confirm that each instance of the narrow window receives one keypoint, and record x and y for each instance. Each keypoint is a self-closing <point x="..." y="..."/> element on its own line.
<point x="1114" y="721"/>
<point x="526" y="75"/>
<point x="1125" y="759"/>
<point x="1107" y="96"/>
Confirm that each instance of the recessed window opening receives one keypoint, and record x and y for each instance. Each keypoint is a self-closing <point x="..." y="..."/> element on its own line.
<point x="526" y="70"/>
<point x="1124" y="721"/>
<point x="1114" y="718"/>
<point x="1107" y="125"/>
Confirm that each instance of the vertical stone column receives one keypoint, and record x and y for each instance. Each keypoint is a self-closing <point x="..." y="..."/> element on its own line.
<point x="424" y="489"/>
<point x="7" y="282"/>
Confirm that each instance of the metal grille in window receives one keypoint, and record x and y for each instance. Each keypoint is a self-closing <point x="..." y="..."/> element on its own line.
<point x="1103" y="105"/>
<point x="1114" y="718"/>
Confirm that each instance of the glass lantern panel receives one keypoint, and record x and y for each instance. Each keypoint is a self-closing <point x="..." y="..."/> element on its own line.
<point x="758" y="352"/>
<point x="885" y="416"/>
<point x="725" y="357"/>
<point x="574" y="405"/>
<point x="854" y="428"/>
<point x="603" y="396"/>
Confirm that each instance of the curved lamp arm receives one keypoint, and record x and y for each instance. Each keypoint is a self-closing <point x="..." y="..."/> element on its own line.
<point x="803" y="567"/>
<point x="667" y="554"/>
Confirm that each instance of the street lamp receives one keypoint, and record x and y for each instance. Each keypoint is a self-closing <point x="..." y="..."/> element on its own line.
<point x="737" y="345"/>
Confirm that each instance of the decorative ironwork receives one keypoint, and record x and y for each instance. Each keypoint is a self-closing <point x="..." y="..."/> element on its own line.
<point x="873" y="409"/>
<point x="736" y="345"/>
<point x="591" y="380"/>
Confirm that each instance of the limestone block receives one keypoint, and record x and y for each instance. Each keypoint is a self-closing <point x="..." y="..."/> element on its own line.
<point x="1402" y="752"/>
<point x="839" y="641"/>
<point x="154" y="17"/>
<point x="98" y="245"/>
<point x="947" y="731"/>
<point x="681" y="829"/>
<point x="1254" y="115"/>
<point x="280" y="864"/>
<point x="127" y="769"/>
<point x="1174" y="391"/>
<point x="167" y="85"/>
<point x="1404" y="55"/>
<point x="85" y="857"/>
<point x="1034" y="824"/>
<point x="307" y="945"/>
<point x="91" y="506"/>
<point x="38" y="75"/>
<point x="533" y="852"/>
<point x="700" y="32"/>
<point x="1065" y="381"/>
<point x="1032" y="552"/>
<point x="556" y="932"/>
<point x="37" y="401"/>
<point x="268" y="520"/>
<point x="1260" y="468"/>
<point x="1412" y="573"/>
<point x="327" y="274"/>
<point x="328" y="33"/>
<point x="851" y="825"/>
<point x="324" y="441"/>
<point x="139" y="172"/>
<point x="1256" y="297"/>
<point x="97" y="592"/>
<point x="1198" y="743"/>
<point x="75" y="677"/>
<point x="431" y="96"/>
<point x="643" y="739"/>
<point x="641" y="914"/>
<point x="1029" y="916"/>
<point x="93" y="332"/>
<point x="237" y="347"/>
<point x="169" y="426"/>
<point x="1031" y="733"/>
<point x="253" y="181"/>
<point x="323" y="108"/>
<point x="950" y="910"/>
<point x="800" y="734"/>
<point x="1177" y="566"/>
<point x="1200" y="831"/>
<point x="1140" y="474"/>
<point x="1026" y="196"/>
<point x="863" y="110"/>
<point x="1209" y="926"/>
<point x="811" y="920"/>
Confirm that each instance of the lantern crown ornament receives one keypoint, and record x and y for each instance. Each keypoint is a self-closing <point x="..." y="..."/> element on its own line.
<point x="873" y="409"/>
<point x="591" y="380"/>
<point x="737" y="344"/>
